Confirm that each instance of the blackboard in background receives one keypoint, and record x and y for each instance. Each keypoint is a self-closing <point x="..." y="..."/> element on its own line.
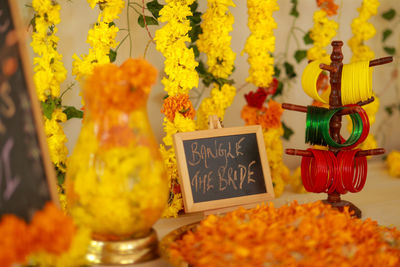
<point x="27" y="179"/>
<point x="222" y="168"/>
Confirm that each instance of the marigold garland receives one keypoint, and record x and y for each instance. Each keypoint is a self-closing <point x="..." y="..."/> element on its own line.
<point x="261" y="42"/>
<point x="51" y="234"/>
<point x="323" y="30"/>
<point x="363" y="30"/>
<point x="215" y="42"/>
<point x="270" y="120"/>
<point x="181" y="77"/>
<point x="49" y="73"/>
<point x="293" y="235"/>
<point x="101" y="38"/>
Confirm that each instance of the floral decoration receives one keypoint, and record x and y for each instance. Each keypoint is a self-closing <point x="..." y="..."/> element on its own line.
<point x="50" y="239"/>
<point x="393" y="163"/>
<point x="261" y="42"/>
<point x="181" y="77"/>
<point x="292" y="235"/>
<point x="215" y="42"/>
<point x="323" y="30"/>
<point x="363" y="30"/>
<point x="116" y="170"/>
<point x="49" y="73"/>
<point x="101" y="38"/>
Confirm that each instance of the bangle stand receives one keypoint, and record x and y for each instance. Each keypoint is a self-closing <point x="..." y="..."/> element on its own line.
<point x="335" y="76"/>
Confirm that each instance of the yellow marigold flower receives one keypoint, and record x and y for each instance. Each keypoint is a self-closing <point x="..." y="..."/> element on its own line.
<point x="322" y="33"/>
<point x="393" y="163"/>
<point x="261" y="42"/>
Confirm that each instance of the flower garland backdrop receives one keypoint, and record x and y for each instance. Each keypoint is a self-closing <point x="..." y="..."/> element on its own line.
<point x="363" y="30"/>
<point x="181" y="77"/>
<point x="215" y="42"/>
<point x="259" y="46"/>
<point x="101" y="38"/>
<point x="49" y="73"/>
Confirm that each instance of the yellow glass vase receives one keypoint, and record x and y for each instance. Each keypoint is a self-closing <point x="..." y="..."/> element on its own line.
<point x="116" y="183"/>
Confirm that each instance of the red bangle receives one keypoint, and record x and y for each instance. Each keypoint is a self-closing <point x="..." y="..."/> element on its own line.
<point x="366" y="126"/>
<point x="353" y="170"/>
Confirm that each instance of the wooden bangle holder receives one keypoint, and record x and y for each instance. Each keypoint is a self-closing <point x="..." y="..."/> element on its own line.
<point x="335" y="75"/>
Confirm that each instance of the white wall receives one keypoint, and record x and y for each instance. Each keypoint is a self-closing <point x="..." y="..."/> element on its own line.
<point x="77" y="18"/>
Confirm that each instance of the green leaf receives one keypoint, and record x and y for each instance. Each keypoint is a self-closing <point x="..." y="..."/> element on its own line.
<point x="154" y="7"/>
<point x="389" y="50"/>
<point x="72" y="112"/>
<point x="289" y="69"/>
<point x="48" y="108"/>
<point x="111" y="24"/>
<point x="149" y="21"/>
<point x="299" y="55"/>
<point x="307" y="38"/>
<point x="194" y="6"/>
<point x="279" y="90"/>
<point x="386" y="33"/>
<point x="112" y="55"/>
<point x="293" y="11"/>
<point x="389" y="110"/>
<point x="389" y="15"/>
<point x="277" y="71"/>
<point x="195" y="50"/>
<point x="287" y="132"/>
<point x="195" y="32"/>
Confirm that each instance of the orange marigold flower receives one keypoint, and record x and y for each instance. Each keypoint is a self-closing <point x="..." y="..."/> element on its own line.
<point x="179" y="103"/>
<point x="123" y="88"/>
<point x="328" y="6"/>
<point x="51" y="230"/>
<point x="250" y="115"/>
<point x="311" y="234"/>
<point x="271" y="117"/>
<point x="15" y="242"/>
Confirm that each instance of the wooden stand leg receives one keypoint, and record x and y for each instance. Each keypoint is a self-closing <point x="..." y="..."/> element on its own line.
<point x="335" y="201"/>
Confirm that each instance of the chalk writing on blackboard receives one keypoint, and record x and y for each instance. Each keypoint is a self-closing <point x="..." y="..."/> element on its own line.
<point x="25" y="170"/>
<point x="223" y="166"/>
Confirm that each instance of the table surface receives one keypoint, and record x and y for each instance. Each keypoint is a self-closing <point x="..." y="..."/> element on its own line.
<point x="379" y="200"/>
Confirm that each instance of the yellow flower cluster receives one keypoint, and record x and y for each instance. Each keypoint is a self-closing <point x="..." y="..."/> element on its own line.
<point x="393" y="163"/>
<point x="56" y="138"/>
<point x="362" y="31"/>
<point x="321" y="33"/>
<point x="181" y="77"/>
<point x="49" y="74"/>
<point x="111" y="189"/>
<point x="75" y="256"/>
<point x="101" y="38"/>
<point x="280" y="174"/>
<point x="216" y="104"/>
<point x="215" y="40"/>
<point x="261" y="42"/>
<point x="171" y="42"/>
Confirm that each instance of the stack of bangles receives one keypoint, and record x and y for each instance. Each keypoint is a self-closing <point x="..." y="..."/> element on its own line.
<point x="325" y="173"/>
<point x="317" y="127"/>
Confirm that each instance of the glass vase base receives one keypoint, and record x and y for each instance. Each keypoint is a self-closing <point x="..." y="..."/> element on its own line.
<point x="123" y="252"/>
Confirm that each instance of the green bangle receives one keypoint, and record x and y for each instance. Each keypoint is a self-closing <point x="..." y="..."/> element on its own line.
<point x="355" y="133"/>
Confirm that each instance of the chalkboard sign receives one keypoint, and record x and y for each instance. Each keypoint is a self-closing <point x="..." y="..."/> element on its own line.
<point x="27" y="178"/>
<point x="220" y="168"/>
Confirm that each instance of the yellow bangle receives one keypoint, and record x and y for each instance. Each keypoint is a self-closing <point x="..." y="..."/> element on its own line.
<point x="310" y="77"/>
<point x="356" y="82"/>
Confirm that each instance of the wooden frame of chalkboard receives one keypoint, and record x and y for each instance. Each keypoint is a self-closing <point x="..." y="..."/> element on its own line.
<point x="28" y="158"/>
<point x="221" y="168"/>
